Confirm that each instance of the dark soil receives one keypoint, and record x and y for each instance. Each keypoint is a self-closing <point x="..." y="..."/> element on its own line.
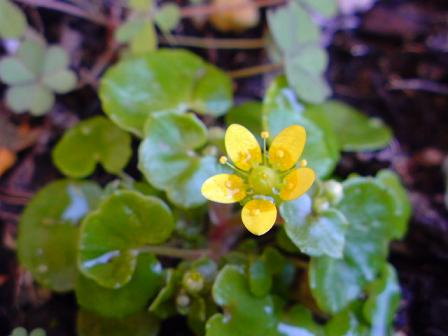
<point x="391" y="62"/>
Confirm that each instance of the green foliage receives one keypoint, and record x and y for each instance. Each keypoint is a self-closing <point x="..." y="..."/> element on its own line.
<point x="298" y="40"/>
<point x="129" y="299"/>
<point x="281" y="109"/>
<point x="12" y="21"/>
<point x="354" y="130"/>
<point x="326" y="8"/>
<point x="20" y="331"/>
<point x="168" y="159"/>
<point x="48" y="231"/>
<point x="247" y="114"/>
<point x="299" y="321"/>
<point x="247" y="313"/>
<point x="168" y="17"/>
<point x="315" y="234"/>
<point x="34" y="74"/>
<point x="140" y="324"/>
<point x="93" y="140"/>
<point x="139" y="33"/>
<point x="110" y="236"/>
<point x="160" y="82"/>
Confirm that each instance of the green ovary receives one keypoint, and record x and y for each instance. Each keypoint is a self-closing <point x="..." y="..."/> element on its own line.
<point x="264" y="180"/>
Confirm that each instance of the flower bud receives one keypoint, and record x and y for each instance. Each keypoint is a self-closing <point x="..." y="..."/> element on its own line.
<point x="182" y="300"/>
<point x="333" y="191"/>
<point x="320" y="204"/>
<point x="193" y="282"/>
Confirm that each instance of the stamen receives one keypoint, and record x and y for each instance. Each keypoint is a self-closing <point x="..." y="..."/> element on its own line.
<point x="224" y="161"/>
<point x="303" y="163"/>
<point x="264" y="134"/>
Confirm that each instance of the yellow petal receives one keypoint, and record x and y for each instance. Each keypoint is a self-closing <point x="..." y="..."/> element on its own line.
<point x="242" y="147"/>
<point x="286" y="148"/>
<point x="259" y="216"/>
<point x="224" y="188"/>
<point x="296" y="183"/>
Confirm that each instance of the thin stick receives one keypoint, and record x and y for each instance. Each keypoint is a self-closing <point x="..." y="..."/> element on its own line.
<point x="255" y="70"/>
<point x="213" y="43"/>
<point x="174" y="252"/>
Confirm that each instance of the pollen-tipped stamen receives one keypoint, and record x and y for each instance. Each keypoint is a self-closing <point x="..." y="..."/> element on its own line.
<point x="224" y="161"/>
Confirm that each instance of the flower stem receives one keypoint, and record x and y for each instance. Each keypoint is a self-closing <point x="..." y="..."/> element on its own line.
<point x="174" y="252"/>
<point x="255" y="70"/>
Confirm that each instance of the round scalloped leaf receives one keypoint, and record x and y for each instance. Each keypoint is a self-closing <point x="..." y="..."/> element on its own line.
<point x="370" y="211"/>
<point x="162" y="81"/>
<point x="383" y="301"/>
<point x="56" y="59"/>
<point x="33" y="97"/>
<point x="246" y="314"/>
<point x="355" y="131"/>
<point x="281" y="109"/>
<point x="298" y="321"/>
<point x="141" y="324"/>
<point x="168" y="17"/>
<point x="260" y="278"/>
<point x="168" y="160"/>
<point x="249" y="115"/>
<point x="129" y="299"/>
<point x="314" y="234"/>
<point x="13" y="71"/>
<point x="32" y="54"/>
<point x="48" y="231"/>
<point x="391" y="182"/>
<point x="92" y="141"/>
<point x="326" y="8"/>
<point x="110" y="236"/>
<point x="348" y="322"/>
<point x="334" y="283"/>
<point x="12" y="21"/>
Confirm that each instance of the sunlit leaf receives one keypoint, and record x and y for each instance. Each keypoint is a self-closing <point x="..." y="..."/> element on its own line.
<point x="92" y="141"/>
<point x="12" y="20"/>
<point x="48" y="231"/>
<point x="110" y="236"/>
<point x="168" y="17"/>
<point x="168" y="159"/>
<point x="131" y="298"/>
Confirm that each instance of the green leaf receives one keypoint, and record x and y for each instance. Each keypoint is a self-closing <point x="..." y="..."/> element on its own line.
<point x="391" y="182"/>
<point x="370" y="211"/>
<point x="13" y="71"/>
<point x="160" y="82"/>
<point x="281" y="109"/>
<point x="248" y="114"/>
<point x="347" y="323"/>
<point x="92" y="141"/>
<point x="32" y="97"/>
<point x="140" y="324"/>
<point x="326" y="8"/>
<point x="145" y="39"/>
<point x="383" y="301"/>
<point x="163" y="306"/>
<point x="130" y="298"/>
<point x="298" y="321"/>
<point x="168" y="17"/>
<point x="168" y="161"/>
<point x="60" y="82"/>
<point x="246" y="313"/>
<point x="32" y="54"/>
<point x="212" y="93"/>
<point x="292" y="27"/>
<point x="334" y="283"/>
<point x="48" y="231"/>
<point x="111" y="235"/>
<point x="274" y="260"/>
<point x="355" y="131"/>
<point x="309" y="85"/>
<point x="260" y="279"/>
<point x="314" y="234"/>
<point x="141" y="5"/>
<point x="12" y="20"/>
<point x="56" y="59"/>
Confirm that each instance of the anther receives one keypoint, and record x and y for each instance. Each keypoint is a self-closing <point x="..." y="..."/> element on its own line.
<point x="223" y="160"/>
<point x="303" y="163"/>
<point x="264" y="135"/>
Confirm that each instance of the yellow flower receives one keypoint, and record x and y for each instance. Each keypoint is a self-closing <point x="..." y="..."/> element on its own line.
<point x="261" y="179"/>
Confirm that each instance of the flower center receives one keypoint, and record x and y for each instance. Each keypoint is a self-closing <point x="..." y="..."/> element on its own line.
<point x="264" y="180"/>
